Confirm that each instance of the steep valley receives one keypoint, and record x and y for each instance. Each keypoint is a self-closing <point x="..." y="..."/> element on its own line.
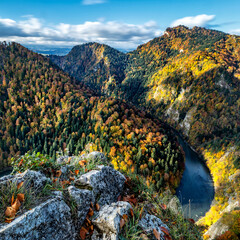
<point x="189" y="78"/>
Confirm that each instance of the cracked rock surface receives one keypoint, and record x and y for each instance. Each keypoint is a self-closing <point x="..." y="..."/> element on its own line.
<point x="50" y="220"/>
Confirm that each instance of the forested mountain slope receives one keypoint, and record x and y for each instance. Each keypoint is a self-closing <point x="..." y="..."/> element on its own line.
<point x="97" y="65"/>
<point x="43" y="110"/>
<point x="191" y="78"/>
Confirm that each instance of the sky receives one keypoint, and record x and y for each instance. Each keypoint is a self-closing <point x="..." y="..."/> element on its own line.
<point x="123" y="24"/>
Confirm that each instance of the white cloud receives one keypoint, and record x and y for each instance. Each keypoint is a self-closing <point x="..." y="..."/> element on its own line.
<point x="235" y="31"/>
<point x="116" y="34"/>
<point x="202" y="20"/>
<point x="92" y="2"/>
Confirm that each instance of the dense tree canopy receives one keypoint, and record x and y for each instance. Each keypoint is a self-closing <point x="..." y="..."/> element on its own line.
<point x="42" y="109"/>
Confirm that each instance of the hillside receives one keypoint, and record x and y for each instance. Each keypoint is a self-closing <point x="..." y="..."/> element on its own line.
<point x="43" y="110"/>
<point x="96" y="65"/>
<point x="191" y="78"/>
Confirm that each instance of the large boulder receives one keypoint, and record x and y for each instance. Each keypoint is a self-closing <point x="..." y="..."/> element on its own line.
<point x="50" y="220"/>
<point x="35" y="179"/>
<point x="150" y="222"/>
<point x="175" y="206"/>
<point x="106" y="184"/>
<point x="109" y="217"/>
<point x="83" y="199"/>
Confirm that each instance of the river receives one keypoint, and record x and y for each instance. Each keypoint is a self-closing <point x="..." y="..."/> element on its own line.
<point x="196" y="190"/>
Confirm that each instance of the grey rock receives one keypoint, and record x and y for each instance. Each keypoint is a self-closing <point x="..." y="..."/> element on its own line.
<point x="62" y="159"/>
<point x="107" y="184"/>
<point x="84" y="180"/>
<point x="50" y="220"/>
<point x="109" y="217"/>
<point x="174" y="205"/>
<point x="65" y="172"/>
<point x="232" y="205"/>
<point x="150" y="222"/>
<point x="103" y="236"/>
<point x="96" y="157"/>
<point x="83" y="199"/>
<point x="30" y="178"/>
<point x="217" y="229"/>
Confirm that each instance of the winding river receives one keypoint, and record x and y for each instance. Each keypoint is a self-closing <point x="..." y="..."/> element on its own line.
<point x="196" y="190"/>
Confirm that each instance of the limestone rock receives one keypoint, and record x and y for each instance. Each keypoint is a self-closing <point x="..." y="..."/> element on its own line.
<point x="30" y="178"/>
<point x="217" y="229"/>
<point x="84" y="180"/>
<point x="107" y="184"/>
<point x="50" y="220"/>
<point x="109" y="217"/>
<point x="83" y="199"/>
<point x="103" y="236"/>
<point x="150" y="222"/>
<point x="174" y="205"/>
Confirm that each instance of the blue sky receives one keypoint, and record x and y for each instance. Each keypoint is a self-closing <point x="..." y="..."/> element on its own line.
<point x="119" y="23"/>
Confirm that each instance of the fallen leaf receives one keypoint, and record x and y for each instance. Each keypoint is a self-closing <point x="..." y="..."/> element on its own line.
<point x="76" y="172"/>
<point x="141" y="213"/>
<point x="54" y="180"/>
<point x="122" y="222"/>
<point x="12" y="199"/>
<point x="83" y="232"/>
<point x="163" y="229"/>
<point x="21" y="197"/>
<point x="125" y="217"/>
<point x="156" y="234"/>
<point x="16" y="205"/>
<point x="97" y="207"/>
<point x="20" y="185"/>
<point x="10" y="212"/>
<point x="58" y="173"/>
<point x="191" y="220"/>
<point x="91" y="204"/>
<point x="90" y="213"/>
<point x="9" y="220"/>
<point x="130" y="199"/>
<point x="131" y="213"/>
<point x="82" y="163"/>
<point x="163" y="206"/>
<point x="88" y="222"/>
<point x="71" y="178"/>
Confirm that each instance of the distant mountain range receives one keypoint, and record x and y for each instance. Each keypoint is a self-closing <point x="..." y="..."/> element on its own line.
<point x="45" y="50"/>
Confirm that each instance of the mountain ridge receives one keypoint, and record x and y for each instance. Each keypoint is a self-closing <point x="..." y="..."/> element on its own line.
<point x="190" y="78"/>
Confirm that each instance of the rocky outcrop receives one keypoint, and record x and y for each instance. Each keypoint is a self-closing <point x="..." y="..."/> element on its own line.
<point x="107" y="184"/>
<point x="217" y="229"/>
<point x="174" y="205"/>
<point x="83" y="199"/>
<point x="150" y="222"/>
<point x="109" y="217"/>
<point x="64" y="213"/>
<point x="35" y="179"/>
<point x="50" y="220"/>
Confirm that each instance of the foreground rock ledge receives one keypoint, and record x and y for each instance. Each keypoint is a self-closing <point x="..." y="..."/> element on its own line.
<point x="50" y="220"/>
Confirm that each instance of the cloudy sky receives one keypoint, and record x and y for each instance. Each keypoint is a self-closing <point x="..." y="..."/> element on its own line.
<point x="123" y="24"/>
